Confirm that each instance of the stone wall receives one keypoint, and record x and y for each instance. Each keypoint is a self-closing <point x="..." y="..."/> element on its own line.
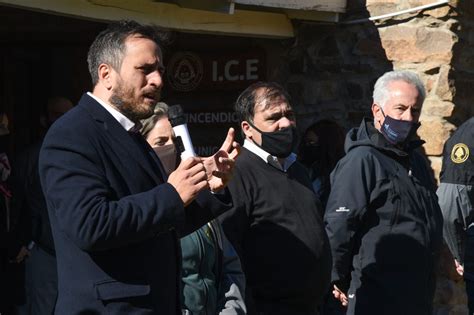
<point x="330" y="71"/>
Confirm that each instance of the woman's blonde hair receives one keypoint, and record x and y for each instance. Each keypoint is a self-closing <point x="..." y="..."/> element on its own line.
<point x="160" y="111"/>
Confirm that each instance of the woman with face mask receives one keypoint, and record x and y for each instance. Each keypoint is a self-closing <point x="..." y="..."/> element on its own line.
<point x="320" y="149"/>
<point x="212" y="277"/>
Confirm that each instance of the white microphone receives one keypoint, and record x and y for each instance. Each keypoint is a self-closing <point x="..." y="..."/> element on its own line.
<point x="183" y="139"/>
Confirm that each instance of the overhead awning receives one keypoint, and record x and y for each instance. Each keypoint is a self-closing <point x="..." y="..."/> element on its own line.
<point x="260" y="18"/>
<point x="227" y="6"/>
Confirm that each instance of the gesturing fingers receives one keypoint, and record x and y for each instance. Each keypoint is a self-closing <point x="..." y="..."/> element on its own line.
<point x="229" y="140"/>
<point x="224" y="165"/>
<point x="236" y="148"/>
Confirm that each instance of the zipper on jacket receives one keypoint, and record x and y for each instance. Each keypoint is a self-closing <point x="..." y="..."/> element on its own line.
<point x="396" y="200"/>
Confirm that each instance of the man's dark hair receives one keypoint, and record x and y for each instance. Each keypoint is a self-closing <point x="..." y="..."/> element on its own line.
<point x="245" y="104"/>
<point x="109" y="46"/>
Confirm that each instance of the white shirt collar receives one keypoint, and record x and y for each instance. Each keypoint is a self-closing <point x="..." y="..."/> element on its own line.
<point x="268" y="158"/>
<point x="121" y="118"/>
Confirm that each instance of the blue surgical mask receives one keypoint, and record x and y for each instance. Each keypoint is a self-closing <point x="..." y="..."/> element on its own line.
<point x="397" y="131"/>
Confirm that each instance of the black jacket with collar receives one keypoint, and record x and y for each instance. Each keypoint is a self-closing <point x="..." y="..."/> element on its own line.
<point x="115" y="221"/>
<point x="384" y="226"/>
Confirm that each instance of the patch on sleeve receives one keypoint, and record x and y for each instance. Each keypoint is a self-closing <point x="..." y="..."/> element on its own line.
<point x="459" y="153"/>
<point x="342" y="209"/>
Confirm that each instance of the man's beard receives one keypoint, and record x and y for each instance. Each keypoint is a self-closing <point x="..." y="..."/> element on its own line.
<point x="128" y="104"/>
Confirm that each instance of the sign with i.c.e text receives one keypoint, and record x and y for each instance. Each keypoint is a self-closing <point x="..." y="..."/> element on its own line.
<point x="206" y="85"/>
<point x="192" y="71"/>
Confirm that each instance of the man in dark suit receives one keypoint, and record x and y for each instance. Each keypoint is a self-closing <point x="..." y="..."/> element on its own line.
<point x="115" y="216"/>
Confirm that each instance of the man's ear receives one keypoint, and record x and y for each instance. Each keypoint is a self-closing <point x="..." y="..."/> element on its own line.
<point x="246" y="129"/>
<point x="378" y="114"/>
<point x="105" y="73"/>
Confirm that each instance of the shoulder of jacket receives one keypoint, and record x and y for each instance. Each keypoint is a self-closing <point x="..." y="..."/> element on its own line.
<point x="362" y="154"/>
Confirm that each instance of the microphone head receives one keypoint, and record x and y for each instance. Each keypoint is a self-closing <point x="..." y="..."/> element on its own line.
<point x="176" y="116"/>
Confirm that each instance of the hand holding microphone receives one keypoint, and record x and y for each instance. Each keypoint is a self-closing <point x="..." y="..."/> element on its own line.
<point x="180" y="128"/>
<point x="218" y="167"/>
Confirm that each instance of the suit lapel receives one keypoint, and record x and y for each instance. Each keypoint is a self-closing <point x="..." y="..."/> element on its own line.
<point x="119" y="140"/>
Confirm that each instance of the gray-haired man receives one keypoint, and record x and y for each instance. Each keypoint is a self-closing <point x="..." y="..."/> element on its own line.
<point x="382" y="217"/>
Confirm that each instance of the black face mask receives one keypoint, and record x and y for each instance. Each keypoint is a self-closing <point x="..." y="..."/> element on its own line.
<point x="310" y="153"/>
<point x="278" y="143"/>
<point x="398" y="132"/>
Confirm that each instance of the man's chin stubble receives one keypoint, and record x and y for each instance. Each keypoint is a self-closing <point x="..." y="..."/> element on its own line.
<point x="129" y="110"/>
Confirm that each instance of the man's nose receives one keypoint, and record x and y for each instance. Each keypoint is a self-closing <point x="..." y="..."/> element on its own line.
<point x="155" y="79"/>
<point x="408" y="115"/>
<point x="284" y="123"/>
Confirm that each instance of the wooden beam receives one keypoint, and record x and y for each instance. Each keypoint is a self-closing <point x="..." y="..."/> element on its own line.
<point x="329" y="17"/>
<point x="171" y="16"/>
<point x="222" y="6"/>
<point x="338" y="6"/>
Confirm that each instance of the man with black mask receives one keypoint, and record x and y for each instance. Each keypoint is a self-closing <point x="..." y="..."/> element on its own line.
<point x="382" y="217"/>
<point x="276" y="222"/>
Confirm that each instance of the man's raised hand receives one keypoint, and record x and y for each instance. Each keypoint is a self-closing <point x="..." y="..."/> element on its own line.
<point x="220" y="166"/>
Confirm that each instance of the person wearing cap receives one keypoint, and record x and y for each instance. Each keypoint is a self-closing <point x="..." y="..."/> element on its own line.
<point x="456" y="199"/>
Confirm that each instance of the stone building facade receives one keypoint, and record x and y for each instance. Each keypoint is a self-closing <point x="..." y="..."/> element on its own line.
<point x="330" y="71"/>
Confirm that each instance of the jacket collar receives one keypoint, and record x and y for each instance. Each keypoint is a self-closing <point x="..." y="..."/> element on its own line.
<point x="123" y="120"/>
<point x="368" y="135"/>
<point x="118" y="139"/>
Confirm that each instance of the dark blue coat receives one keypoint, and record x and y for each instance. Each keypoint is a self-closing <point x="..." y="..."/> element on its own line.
<point x="384" y="226"/>
<point x="115" y="221"/>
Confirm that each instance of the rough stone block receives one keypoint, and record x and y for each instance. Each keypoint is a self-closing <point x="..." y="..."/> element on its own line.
<point x="435" y="133"/>
<point x="439" y="12"/>
<point x="383" y="2"/>
<point x="444" y="85"/>
<point x="435" y="164"/>
<point x="433" y="108"/>
<point x="417" y="44"/>
<point x="415" y="3"/>
<point x="379" y="7"/>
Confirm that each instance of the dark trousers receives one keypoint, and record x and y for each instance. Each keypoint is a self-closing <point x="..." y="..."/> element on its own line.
<point x="11" y="284"/>
<point x="278" y="309"/>
<point x="470" y="295"/>
<point x="41" y="283"/>
<point x="331" y="306"/>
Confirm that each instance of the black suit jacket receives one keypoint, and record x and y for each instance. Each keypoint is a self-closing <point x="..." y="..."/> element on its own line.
<point x="115" y="220"/>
